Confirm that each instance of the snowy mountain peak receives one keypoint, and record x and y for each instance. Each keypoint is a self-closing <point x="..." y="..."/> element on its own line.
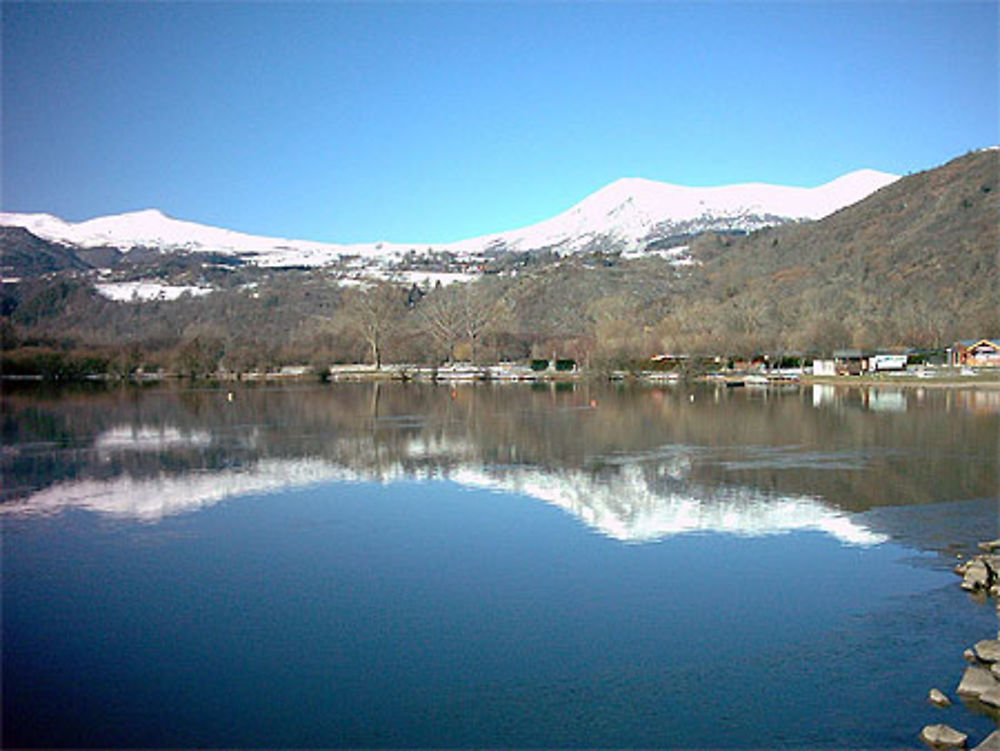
<point x="631" y="212"/>
<point x="625" y="215"/>
<point x="864" y="181"/>
<point x="145" y="215"/>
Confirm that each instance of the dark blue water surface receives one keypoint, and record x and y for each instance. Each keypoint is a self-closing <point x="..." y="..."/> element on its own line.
<point x="425" y="613"/>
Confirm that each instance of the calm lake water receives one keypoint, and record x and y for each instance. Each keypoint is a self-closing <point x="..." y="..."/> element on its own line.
<point x="405" y="565"/>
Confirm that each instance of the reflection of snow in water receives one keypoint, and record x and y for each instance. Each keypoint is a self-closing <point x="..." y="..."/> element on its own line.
<point x="627" y="503"/>
<point x="626" y="507"/>
<point x="143" y="438"/>
<point x="152" y="498"/>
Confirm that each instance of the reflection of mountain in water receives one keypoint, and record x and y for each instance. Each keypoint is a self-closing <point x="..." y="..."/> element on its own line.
<point x="628" y="507"/>
<point x="643" y="465"/>
<point x="625" y="504"/>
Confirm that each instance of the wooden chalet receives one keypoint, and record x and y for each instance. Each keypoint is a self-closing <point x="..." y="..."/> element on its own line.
<point x="975" y="353"/>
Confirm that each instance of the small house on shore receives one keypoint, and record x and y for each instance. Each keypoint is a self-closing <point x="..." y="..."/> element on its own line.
<point x="882" y="363"/>
<point x="824" y="367"/>
<point x="857" y="362"/>
<point x="975" y="353"/>
<point x="850" y="361"/>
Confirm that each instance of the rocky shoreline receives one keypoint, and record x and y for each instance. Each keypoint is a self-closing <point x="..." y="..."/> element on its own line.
<point x="979" y="687"/>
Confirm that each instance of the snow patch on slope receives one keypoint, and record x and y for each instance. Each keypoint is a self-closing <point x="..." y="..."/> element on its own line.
<point x="144" y="291"/>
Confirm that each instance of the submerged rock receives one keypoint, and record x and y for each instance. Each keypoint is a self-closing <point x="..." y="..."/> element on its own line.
<point x="938" y="699"/>
<point x="943" y="736"/>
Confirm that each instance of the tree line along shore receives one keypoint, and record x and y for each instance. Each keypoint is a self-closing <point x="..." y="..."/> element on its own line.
<point x="56" y="366"/>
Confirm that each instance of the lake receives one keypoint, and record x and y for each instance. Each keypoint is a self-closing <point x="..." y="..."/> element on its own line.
<point x="401" y="565"/>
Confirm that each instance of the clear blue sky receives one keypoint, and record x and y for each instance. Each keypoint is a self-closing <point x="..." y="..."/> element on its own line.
<point x="366" y="121"/>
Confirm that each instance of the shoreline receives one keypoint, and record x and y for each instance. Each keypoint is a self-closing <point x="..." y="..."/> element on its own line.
<point x="979" y="687"/>
<point x="521" y="374"/>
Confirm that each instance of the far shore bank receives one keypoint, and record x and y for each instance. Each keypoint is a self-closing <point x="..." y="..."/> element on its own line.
<point x="520" y="374"/>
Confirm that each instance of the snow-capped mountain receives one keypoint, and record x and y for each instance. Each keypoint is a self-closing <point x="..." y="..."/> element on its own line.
<point x="626" y="215"/>
<point x="632" y="212"/>
<point x="152" y="228"/>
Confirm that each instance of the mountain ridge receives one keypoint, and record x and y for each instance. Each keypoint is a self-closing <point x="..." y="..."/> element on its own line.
<point x="627" y="213"/>
<point x="912" y="265"/>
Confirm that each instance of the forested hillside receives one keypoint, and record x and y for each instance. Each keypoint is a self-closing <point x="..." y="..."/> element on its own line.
<point x="914" y="264"/>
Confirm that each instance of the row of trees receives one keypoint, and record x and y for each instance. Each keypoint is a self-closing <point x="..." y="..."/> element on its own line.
<point x="307" y="318"/>
<point x="603" y="319"/>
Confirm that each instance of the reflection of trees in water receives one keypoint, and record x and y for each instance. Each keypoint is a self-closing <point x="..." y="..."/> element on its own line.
<point x="840" y="448"/>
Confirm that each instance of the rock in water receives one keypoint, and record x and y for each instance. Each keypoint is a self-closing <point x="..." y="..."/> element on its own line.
<point x="977" y="576"/>
<point x="976" y="681"/>
<point x="938" y="699"/>
<point x="988" y="650"/>
<point x="990" y="743"/>
<point x="943" y="736"/>
<point x="991" y="697"/>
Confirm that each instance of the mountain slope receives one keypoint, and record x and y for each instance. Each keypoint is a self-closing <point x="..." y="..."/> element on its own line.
<point x="25" y="254"/>
<point x="626" y="215"/>
<point x="915" y="263"/>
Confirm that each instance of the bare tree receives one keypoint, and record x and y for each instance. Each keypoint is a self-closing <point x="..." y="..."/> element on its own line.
<point x="617" y="329"/>
<point x="441" y="317"/>
<point x="374" y="313"/>
<point x="463" y="314"/>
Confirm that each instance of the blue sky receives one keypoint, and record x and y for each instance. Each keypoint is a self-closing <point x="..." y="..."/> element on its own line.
<point x="414" y="122"/>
